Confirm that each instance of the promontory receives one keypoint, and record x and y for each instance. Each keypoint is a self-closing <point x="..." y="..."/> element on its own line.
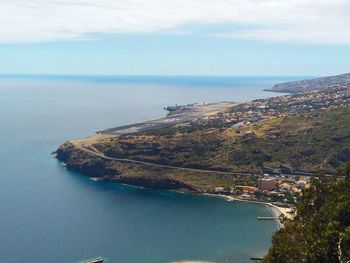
<point x="216" y="147"/>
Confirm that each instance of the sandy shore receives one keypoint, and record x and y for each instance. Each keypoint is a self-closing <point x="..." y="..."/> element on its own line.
<point x="276" y="211"/>
<point x="281" y="210"/>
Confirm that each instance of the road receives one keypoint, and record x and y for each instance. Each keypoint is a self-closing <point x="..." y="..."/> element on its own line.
<point x="102" y="156"/>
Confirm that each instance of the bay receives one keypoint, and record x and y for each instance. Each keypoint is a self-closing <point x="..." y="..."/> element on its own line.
<point x="49" y="214"/>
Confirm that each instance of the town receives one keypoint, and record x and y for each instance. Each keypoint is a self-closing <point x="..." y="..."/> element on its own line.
<point x="281" y="188"/>
<point x="255" y="111"/>
<point x="281" y="192"/>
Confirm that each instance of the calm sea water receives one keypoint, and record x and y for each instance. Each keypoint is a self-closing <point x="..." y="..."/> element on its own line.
<point x="48" y="214"/>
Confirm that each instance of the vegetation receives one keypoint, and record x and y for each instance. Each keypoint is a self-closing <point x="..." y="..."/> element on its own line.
<point x="306" y="142"/>
<point x="308" y="85"/>
<point x="320" y="231"/>
<point x="316" y="141"/>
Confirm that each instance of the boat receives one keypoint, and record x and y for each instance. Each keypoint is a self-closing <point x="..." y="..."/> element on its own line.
<point x="94" y="260"/>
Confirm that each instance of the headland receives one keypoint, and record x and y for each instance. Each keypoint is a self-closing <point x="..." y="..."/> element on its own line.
<point x="264" y="150"/>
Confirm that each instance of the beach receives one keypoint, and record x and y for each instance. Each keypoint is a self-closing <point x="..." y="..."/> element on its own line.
<point x="276" y="211"/>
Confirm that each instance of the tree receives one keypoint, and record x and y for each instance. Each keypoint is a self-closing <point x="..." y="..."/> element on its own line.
<point x="320" y="231"/>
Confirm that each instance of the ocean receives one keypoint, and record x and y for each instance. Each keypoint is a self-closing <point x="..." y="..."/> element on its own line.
<point x="49" y="214"/>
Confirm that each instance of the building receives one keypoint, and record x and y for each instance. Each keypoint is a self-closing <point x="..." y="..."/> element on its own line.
<point x="285" y="186"/>
<point x="266" y="184"/>
<point x="246" y="188"/>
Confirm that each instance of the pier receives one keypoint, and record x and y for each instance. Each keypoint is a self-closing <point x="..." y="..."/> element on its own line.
<point x="267" y="218"/>
<point x="256" y="259"/>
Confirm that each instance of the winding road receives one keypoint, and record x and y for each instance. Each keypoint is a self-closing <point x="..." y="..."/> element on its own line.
<point x="92" y="150"/>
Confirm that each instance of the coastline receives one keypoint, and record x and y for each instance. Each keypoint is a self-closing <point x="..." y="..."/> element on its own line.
<point x="276" y="211"/>
<point x="110" y="153"/>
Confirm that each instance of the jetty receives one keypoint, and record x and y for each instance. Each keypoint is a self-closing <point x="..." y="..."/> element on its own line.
<point x="267" y="218"/>
<point x="256" y="259"/>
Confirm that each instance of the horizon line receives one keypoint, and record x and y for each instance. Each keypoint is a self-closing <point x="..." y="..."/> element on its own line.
<point x="142" y="75"/>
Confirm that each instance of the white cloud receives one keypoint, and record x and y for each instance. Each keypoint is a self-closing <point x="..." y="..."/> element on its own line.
<point x="296" y="21"/>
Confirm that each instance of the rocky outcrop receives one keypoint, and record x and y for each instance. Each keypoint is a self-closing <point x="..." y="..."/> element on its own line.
<point x="83" y="162"/>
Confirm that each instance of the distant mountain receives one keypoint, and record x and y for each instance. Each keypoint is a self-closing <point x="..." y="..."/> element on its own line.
<point x="312" y="84"/>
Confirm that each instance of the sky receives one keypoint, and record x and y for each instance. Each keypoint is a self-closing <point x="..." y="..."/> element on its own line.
<point x="175" y="37"/>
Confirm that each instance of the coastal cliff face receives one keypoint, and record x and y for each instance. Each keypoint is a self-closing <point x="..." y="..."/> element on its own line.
<point x="302" y="143"/>
<point x="81" y="161"/>
<point x="91" y="165"/>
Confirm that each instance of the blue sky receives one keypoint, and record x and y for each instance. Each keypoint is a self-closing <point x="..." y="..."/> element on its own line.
<point x="174" y="37"/>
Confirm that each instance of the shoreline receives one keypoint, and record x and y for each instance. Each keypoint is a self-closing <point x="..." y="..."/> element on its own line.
<point x="276" y="211"/>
